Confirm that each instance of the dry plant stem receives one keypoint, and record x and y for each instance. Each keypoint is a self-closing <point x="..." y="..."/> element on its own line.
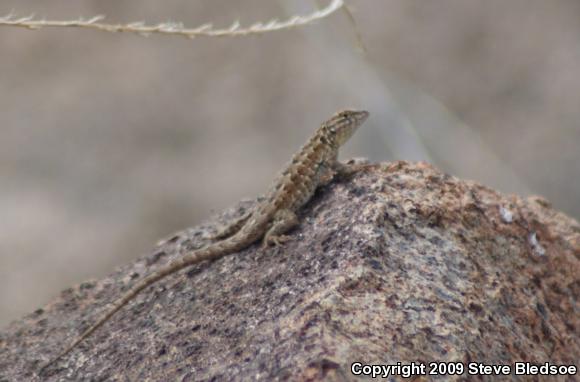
<point x="352" y="21"/>
<point x="205" y="30"/>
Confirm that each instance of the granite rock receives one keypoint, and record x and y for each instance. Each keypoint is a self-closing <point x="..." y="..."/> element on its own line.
<point x="400" y="263"/>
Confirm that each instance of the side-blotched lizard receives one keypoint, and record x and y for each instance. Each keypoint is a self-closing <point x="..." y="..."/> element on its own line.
<point x="314" y="165"/>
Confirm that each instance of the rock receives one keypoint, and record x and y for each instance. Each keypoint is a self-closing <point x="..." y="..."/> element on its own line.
<point x="401" y="263"/>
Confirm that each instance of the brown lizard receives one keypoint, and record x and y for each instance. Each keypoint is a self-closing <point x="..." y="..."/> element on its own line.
<point x="314" y="165"/>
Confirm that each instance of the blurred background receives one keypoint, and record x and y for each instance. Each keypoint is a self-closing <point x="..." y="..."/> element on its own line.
<point x="110" y="142"/>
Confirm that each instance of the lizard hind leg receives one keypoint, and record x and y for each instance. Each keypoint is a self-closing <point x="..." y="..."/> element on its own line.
<point x="232" y="228"/>
<point x="284" y="220"/>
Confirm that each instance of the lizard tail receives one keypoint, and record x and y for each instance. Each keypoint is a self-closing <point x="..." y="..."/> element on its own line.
<point x="194" y="257"/>
<point x="144" y="283"/>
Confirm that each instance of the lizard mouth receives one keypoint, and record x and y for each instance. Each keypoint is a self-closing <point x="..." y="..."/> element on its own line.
<point x="346" y="122"/>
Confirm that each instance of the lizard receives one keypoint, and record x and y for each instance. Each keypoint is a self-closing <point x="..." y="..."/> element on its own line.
<point x="314" y="165"/>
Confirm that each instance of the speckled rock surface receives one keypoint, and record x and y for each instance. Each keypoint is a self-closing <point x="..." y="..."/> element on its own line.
<point x="399" y="264"/>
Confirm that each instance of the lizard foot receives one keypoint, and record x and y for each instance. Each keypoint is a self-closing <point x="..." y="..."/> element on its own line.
<point x="349" y="169"/>
<point x="275" y="240"/>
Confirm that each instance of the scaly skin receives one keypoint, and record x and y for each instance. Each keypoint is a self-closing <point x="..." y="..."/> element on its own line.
<point x="314" y="165"/>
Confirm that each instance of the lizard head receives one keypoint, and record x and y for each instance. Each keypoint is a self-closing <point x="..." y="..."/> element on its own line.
<point x="341" y="126"/>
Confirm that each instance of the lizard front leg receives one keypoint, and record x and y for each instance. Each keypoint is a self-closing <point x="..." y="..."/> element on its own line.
<point x="345" y="171"/>
<point x="283" y="221"/>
